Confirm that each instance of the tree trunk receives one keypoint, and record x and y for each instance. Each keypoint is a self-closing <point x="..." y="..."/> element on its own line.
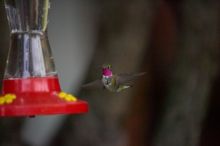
<point x="193" y="74"/>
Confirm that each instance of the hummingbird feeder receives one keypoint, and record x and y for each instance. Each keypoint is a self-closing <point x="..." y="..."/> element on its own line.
<point x="31" y="85"/>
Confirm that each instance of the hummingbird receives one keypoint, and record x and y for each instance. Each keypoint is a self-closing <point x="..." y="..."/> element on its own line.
<point x="113" y="82"/>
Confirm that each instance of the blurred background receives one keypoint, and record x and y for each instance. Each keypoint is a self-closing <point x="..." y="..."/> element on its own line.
<point x="175" y="104"/>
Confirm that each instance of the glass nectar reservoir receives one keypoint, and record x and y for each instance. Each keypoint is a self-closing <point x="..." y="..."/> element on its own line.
<point x="31" y="85"/>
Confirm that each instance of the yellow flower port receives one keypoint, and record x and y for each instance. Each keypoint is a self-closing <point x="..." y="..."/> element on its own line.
<point x="67" y="97"/>
<point x="7" y="99"/>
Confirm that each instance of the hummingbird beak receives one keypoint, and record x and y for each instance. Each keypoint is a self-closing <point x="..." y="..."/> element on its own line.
<point x="100" y="67"/>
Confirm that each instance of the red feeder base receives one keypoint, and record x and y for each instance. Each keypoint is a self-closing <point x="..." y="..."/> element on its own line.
<point x="37" y="96"/>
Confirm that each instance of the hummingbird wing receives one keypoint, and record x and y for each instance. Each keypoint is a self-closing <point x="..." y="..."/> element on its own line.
<point x="127" y="79"/>
<point x="93" y="84"/>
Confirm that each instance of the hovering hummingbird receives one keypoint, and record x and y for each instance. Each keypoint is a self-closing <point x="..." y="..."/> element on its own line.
<point x="113" y="82"/>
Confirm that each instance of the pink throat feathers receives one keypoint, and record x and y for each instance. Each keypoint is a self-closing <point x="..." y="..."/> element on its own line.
<point x="106" y="72"/>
